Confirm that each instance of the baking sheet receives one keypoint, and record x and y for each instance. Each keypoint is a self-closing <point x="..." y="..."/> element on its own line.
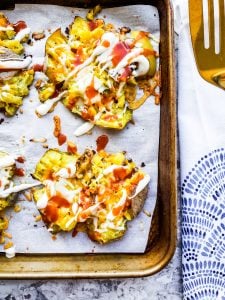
<point x="139" y="140"/>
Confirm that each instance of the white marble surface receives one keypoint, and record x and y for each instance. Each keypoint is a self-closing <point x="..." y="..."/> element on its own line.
<point x="167" y="284"/>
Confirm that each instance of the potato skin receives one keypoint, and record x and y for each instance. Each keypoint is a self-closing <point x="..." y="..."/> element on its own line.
<point x="138" y="201"/>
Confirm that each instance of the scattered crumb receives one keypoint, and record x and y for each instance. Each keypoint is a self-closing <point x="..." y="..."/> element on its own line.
<point x="31" y="100"/>
<point x="38" y="218"/>
<point x="38" y="35"/>
<point x="38" y="83"/>
<point x="21" y="110"/>
<point x="1" y="121"/>
<point x="147" y="213"/>
<point x="54" y="237"/>
<point x="8" y="245"/>
<point x="45" y="146"/>
<point x="38" y="140"/>
<point x="17" y="208"/>
<point x="141" y="226"/>
<point x="23" y="139"/>
<point x="7" y="235"/>
<point x="142" y="164"/>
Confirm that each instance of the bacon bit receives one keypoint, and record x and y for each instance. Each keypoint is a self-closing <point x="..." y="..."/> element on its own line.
<point x="7" y="235"/>
<point x="71" y="147"/>
<point x="119" y="51"/>
<point x="120" y="173"/>
<point x="17" y="208"/>
<point x="19" y="26"/>
<point x="8" y="245"/>
<point x="38" y="218"/>
<point x="21" y="159"/>
<point x="38" y="68"/>
<point x="101" y="142"/>
<point x="77" y="61"/>
<point x="106" y="44"/>
<point x="117" y="210"/>
<point x="57" y="131"/>
<point x="86" y="116"/>
<point x="91" y="92"/>
<point x="19" y="172"/>
<point x="51" y="211"/>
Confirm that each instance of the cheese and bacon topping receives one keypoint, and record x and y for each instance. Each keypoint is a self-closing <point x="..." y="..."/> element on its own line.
<point x="95" y="189"/>
<point x="96" y="71"/>
<point x="15" y="79"/>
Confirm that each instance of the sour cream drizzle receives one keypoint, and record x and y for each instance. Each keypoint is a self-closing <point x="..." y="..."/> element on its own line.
<point x="17" y="188"/>
<point x="15" y="63"/>
<point x="6" y="161"/>
<point x="44" y="108"/>
<point x="6" y="28"/>
<point x="22" y="33"/>
<point x="141" y="185"/>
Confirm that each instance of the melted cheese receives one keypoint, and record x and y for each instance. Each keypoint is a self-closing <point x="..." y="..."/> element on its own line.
<point x="141" y="185"/>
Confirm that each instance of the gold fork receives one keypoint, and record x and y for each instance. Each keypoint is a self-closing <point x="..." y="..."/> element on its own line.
<point x="211" y="66"/>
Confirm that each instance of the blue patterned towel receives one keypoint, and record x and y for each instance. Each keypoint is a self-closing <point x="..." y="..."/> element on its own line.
<point x="201" y="121"/>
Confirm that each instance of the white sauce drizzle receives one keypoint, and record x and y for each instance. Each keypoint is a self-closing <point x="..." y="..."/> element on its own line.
<point x="14" y="63"/>
<point x="17" y="188"/>
<point x="67" y="172"/>
<point x="22" y="33"/>
<point x="84" y="128"/>
<point x="44" y="108"/>
<point x="6" y="28"/>
<point x="141" y="185"/>
<point x="6" y="161"/>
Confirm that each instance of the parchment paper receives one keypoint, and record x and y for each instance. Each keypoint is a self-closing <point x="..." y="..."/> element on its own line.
<point x="139" y="140"/>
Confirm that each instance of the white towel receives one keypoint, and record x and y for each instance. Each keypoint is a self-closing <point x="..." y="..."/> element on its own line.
<point x="201" y="121"/>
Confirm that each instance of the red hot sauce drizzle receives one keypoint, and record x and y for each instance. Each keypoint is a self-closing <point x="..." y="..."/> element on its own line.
<point x="57" y="131"/>
<point x="19" y="26"/>
<point x="101" y="142"/>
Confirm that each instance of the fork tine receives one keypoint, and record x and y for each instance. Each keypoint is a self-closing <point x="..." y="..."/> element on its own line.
<point x="211" y="24"/>
<point x="222" y="27"/>
<point x="196" y="20"/>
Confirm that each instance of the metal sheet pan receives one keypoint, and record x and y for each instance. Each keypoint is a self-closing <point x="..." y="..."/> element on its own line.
<point x="162" y="238"/>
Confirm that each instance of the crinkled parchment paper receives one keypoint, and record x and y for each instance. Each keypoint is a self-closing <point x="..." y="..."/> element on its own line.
<point x="139" y="140"/>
